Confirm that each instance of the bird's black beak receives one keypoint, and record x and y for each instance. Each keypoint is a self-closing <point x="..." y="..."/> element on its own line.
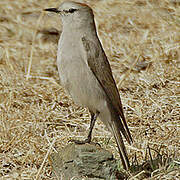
<point x="52" y="10"/>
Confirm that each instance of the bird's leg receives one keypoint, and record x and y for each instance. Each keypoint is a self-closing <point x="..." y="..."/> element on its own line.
<point x="92" y="123"/>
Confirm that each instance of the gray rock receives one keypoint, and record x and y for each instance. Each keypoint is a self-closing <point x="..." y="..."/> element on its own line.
<point x="84" y="161"/>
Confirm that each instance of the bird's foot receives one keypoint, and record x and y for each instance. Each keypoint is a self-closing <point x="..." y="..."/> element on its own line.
<point x="80" y="142"/>
<point x="84" y="142"/>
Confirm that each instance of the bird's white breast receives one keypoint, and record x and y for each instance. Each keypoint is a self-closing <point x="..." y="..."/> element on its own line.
<point x="76" y="76"/>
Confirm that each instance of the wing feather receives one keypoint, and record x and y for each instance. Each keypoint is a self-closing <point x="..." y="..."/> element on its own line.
<point x="100" y="67"/>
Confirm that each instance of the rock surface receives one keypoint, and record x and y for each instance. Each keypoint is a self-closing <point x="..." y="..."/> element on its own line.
<point x="84" y="161"/>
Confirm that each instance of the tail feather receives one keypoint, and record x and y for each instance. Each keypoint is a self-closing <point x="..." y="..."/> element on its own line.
<point x="127" y="133"/>
<point x="119" y="140"/>
<point x="124" y="129"/>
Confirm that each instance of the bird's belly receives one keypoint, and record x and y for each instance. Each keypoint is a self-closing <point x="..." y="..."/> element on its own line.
<point x="82" y="85"/>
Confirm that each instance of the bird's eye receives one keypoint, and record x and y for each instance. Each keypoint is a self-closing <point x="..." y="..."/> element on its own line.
<point x="72" y="10"/>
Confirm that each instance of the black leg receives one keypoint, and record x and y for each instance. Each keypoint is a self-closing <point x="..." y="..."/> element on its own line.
<point x="92" y="123"/>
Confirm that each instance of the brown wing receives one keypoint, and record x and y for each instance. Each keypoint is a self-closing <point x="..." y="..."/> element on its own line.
<point x="99" y="65"/>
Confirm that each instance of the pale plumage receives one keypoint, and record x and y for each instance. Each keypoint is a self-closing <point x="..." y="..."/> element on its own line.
<point x="86" y="74"/>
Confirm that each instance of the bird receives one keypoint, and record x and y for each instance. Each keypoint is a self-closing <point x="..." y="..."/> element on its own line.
<point x="86" y="75"/>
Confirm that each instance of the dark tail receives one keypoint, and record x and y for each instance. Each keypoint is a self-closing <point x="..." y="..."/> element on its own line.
<point x="117" y="130"/>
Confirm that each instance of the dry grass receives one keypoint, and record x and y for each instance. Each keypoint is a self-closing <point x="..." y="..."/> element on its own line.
<point x="142" y="41"/>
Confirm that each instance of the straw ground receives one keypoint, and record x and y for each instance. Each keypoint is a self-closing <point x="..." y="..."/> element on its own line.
<point x="141" y="40"/>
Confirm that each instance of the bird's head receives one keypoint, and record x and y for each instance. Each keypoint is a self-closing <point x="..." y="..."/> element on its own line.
<point x="71" y="12"/>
